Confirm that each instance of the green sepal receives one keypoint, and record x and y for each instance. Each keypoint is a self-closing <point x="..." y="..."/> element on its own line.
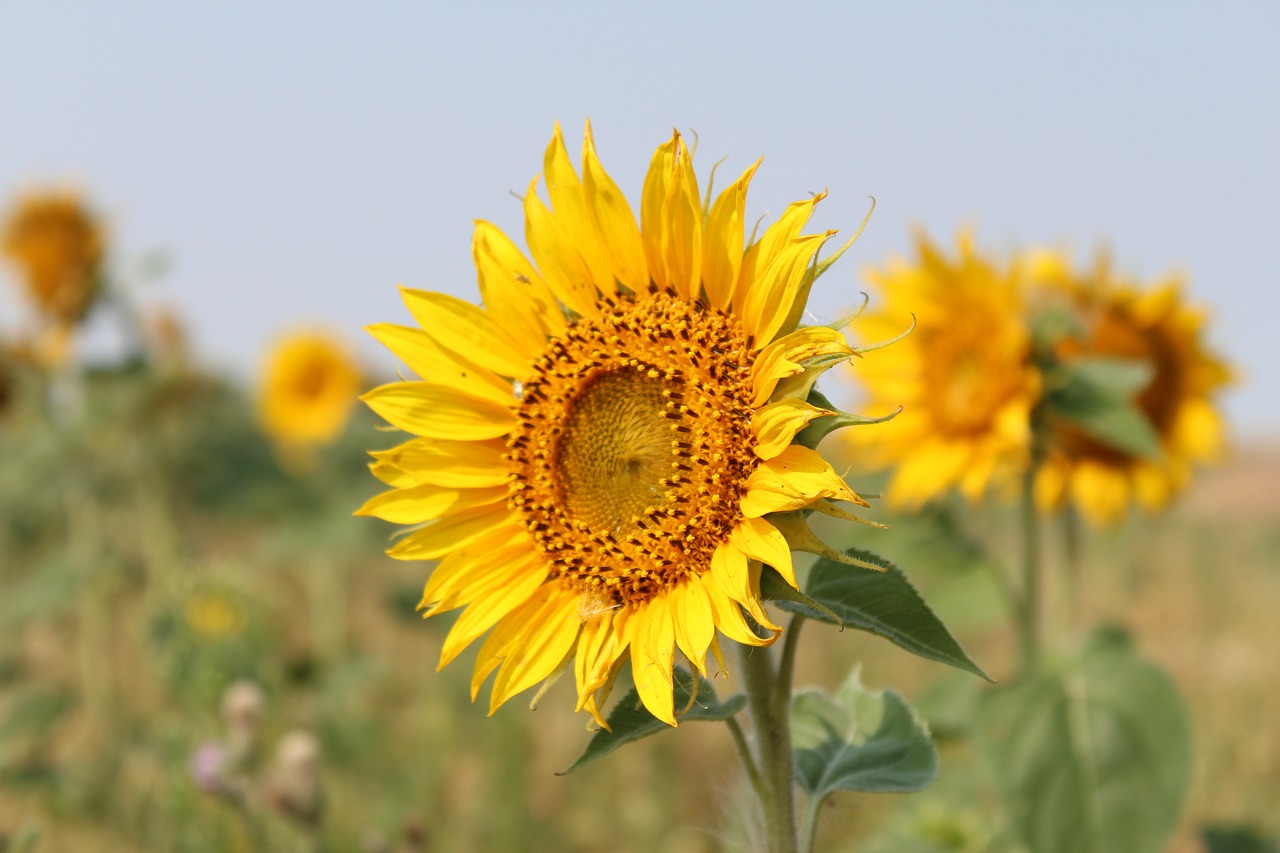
<point x="859" y="740"/>
<point x="1092" y="755"/>
<point x="882" y="602"/>
<point x="631" y="721"/>
<point x="774" y="588"/>
<point x="820" y="428"/>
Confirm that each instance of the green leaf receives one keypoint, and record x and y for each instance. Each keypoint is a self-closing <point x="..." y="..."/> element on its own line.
<point x="1236" y="839"/>
<point x="1097" y="397"/>
<point x="631" y="721"/>
<point x="859" y="740"/>
<point x="1092" y="758"/>
<point x="884" y="603"/>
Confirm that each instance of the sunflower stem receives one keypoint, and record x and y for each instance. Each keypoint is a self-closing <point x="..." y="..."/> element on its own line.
<point x="1071" y="544"/>
<point x="787" y="665"/>
<point x="772" y="727"/>
<point x="1029" y="612"/>
<point x="744" y="754"/>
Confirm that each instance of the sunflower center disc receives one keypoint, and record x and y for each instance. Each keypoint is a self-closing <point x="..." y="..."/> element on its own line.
<point x="615" y="453"/>
<point x="634" y="445"/>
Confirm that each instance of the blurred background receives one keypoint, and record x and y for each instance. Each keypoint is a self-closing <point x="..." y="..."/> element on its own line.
<point x="182" y="587"/>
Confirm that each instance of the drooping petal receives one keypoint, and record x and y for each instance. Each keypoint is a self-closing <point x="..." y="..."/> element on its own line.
<point x="653" y="656"/>
<point x="694" y="624"/>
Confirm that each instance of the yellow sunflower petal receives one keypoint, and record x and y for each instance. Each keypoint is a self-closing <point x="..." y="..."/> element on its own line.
<point x="439" y="366"/>
<point x="432" y="411"/>
<point x="457" y="464"/>
<point x="616" y="221"/>
<point x="723" y="239"/>
<point x="760" y="540"/>
<point x="463" y="328"/>
<point x="466" y="570"/>
<point x="768" y="304"/>
<point x="510" y="287"/>
<point x="694" y="624"/>
<point x="455" y="531"/>
<point x="761" y="254"/>
<point x="671" y="220"/>
<point x="776" y="424"/>
<point x="562" y="267"/>
<point x="427" y="502"/>
<point x="493" y="596"/>
<point x="794" y="479"/>
<point x="653" y="656"/>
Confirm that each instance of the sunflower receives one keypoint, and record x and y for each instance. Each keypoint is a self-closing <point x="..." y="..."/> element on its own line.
<point x="309" y="384"/>
<point x="963" y="377"/>
<point x="57" y="245"/>
<point x="1157" y="327"/>
<point x="604" y="452"/>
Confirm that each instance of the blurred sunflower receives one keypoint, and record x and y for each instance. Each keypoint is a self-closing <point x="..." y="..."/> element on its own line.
<point x="1156" y="327"/>
<point x="309" y="385"/>
<point x="964" y="377"/>
<point x="57" y="245"/>
<point x="605" y="450"/>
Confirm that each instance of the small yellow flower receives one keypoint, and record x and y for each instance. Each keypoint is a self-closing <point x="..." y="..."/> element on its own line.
<point x="57" y="246"/>
<point x="1159" y="328"/>
<point x="213" y="615"/>
<point x="604" y="450"/>
<point x="309" y="385"/>
<point x="963" y="376"/>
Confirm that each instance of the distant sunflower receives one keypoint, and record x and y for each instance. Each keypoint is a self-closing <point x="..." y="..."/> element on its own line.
<point x="308" y="387"/>
<point x="1157" y="327"/>
<point x="57" y="245"/>
<point x="602" y="448"/>
<point x="963" y="377"/>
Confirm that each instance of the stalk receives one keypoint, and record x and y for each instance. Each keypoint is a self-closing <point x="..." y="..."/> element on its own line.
<point x="1029" y="611"/>
<point x="769" y="704"/>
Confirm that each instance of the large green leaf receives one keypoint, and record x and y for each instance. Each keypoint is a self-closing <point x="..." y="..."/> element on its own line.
<point x="883" y="602"/>
<point x="630" y="720"/>
<point x="1092" y="758"/>
<point x="1097" y="397"/>
<point x="859" y="740"/>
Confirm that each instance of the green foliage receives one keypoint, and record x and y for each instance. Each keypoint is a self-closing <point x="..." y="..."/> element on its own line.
<point x="1091" y="757"/>
<point x="630" y="721"/>
<point x="1237" y="839"/>
<point x="859" y="740"/>
<point x="883" y="602"/>
<point x="1096" y="396"/>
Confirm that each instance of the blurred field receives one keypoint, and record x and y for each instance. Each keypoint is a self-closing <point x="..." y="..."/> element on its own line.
<point x="152" y="552"/>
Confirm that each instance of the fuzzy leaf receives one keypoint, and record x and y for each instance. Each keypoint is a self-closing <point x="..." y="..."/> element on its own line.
<point x="884" y="603"/>
<point x="859" y="740"/>
<point x="631" y="721"/>
<point x="1094" y="757"/>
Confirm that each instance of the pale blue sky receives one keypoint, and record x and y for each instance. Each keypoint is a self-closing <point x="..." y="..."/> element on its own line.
<point x="298" y="160"/>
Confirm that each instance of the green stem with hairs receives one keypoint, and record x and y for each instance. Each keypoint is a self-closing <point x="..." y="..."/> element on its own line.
<point x="769" y="703"/>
